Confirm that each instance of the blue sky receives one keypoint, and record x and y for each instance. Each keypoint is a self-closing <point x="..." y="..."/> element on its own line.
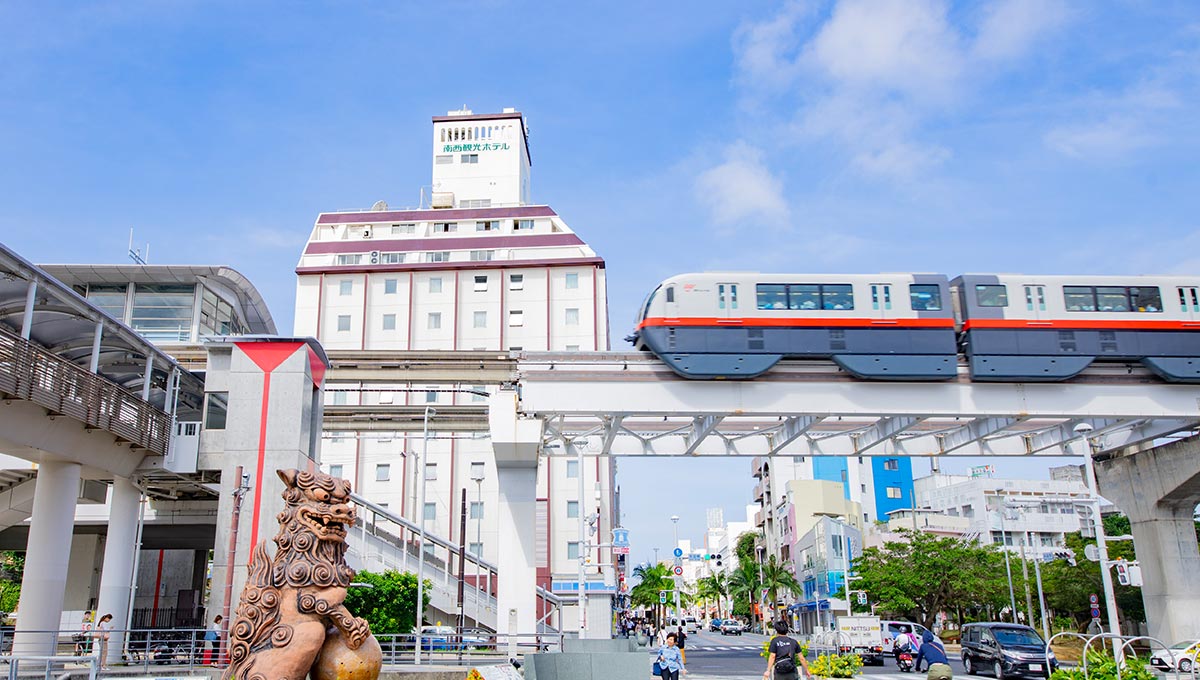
<point x="1043" y="136"/>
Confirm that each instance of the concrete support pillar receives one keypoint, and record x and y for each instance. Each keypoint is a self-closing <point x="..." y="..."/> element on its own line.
<point x="1159" y="489"/>
<point x="516" y="595"/>
<point x="516" y="443"/>
<point x="116" y="577"/>
<point x="46" y="558"/>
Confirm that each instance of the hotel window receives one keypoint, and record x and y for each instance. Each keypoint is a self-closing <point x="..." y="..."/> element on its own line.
<point x="431" y="397"/>
<point x="572" y="509"/>
<point x="444" y="159"/>
<point x="343" y="322"/>
<point x="516" y="317"/>
<point x="383" y="472"/>
<point x="572" y="316"/>
<point x="894" y="492"/>
<point x="515" y="348"/>
<point x="435" y="285"/>
<point x="438" y="256"/>
<point x="572" y="469"/>
<point x="444" y="227"/>
<point x="431" y="511"/>
<point x="573" y="550"/>
<point x="391" y="258"/>
<point x="482" y="255"/>
<point x="470" y="158"/>
<point x="475" y="203"/>
<point x="340" y="398"/>
<point x="524" y="224"/>
<point x="476" y="510"/>
<point x="481" y="284"/>
<point x="891" y="464"/>
<point x="345" y="287"/>
<point x="335" y="470"/>
<point x="349" y="259"/>
<point x="431" y="472"/>
<point x="487" y="225"/>
<point x="389" y="286"/>
<point x="406" y="228"/>
<point x="572" y="280"/>
<point x="572" y="348"/>
<point x="516" y="282"/>
<point x="475" y="549"/>
<point x="389" y="322"/>
<point x="480" y="320"/>
<point x="434" y="321"/>
<point x="478" y="398"/>
<point x="386" y="398"/>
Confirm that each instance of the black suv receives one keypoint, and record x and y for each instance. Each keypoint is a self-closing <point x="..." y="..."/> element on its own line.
<point x="1005" y="650"/>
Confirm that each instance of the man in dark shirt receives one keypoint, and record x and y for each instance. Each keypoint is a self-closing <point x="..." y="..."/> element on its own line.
<point x="934" y="655"/>
<point x="783" y="655"/>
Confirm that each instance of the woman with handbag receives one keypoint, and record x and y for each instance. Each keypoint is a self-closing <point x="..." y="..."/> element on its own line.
<point x="669" y="664"/>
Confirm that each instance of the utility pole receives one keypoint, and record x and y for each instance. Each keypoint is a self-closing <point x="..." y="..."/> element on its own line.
<point x="1114" y="626"/>
<point x="1025" y="576"/>
<point x="1012" y="597"/>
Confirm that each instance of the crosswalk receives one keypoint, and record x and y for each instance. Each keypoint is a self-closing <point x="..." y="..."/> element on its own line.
<point x="694" y="675"/>
<point x="722" y="648"/>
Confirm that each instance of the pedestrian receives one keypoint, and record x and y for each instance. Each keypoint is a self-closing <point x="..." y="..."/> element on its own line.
<point x="783" y="655"/>
<point x="661" y="636"/>
<point x="934" y="655"/>
<point x="681" y="638"/>
<point x="103" y="632"/>
<point x="212" y="639"/>
<point x="670" y="660"/>
<point x="84" y="637"/>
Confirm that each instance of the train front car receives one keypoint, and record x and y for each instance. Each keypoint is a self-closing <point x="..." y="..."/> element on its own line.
<point x="1051" y="328"/>
<point x="737" y="325"/>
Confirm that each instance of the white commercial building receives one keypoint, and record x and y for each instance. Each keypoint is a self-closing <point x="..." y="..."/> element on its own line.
<point x="479" y="268"/>
<point x="1009" y="512"/>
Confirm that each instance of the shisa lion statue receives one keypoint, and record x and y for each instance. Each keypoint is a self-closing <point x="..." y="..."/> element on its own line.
<point x="291" y="621"/>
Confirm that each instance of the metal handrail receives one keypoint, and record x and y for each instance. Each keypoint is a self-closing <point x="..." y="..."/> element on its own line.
<point x="14" y="663"/>
<point x="31" y="373"/>
<point x="413" y="527"/>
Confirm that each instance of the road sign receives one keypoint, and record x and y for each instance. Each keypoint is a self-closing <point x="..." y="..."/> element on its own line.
<point x="1094" y="599"/>
<point x="620" y="550"/>
<point x="1091" y="552"/>
<point x="678" y="552"/>
<point x="679" y="571"/>
<point x="662" y="597"/>
<point x="1095" y="613"/>
<point x="620" y="537"/>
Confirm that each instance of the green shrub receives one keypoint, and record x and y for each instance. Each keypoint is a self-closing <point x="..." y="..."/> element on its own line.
<point x="836" y="666"/>
<point x="1101" y="666"/>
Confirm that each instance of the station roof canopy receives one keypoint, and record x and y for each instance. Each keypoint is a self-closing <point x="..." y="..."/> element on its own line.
<point x="64" y="324"/>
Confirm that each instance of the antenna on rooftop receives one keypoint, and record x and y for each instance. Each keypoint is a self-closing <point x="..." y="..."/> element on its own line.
<point x="136" y="255"/>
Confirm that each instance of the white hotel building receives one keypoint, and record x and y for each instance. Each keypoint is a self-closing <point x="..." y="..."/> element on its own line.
<point x="480" y="268"/>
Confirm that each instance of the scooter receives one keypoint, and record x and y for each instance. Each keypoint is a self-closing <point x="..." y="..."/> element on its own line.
<point x="905" y="662"/>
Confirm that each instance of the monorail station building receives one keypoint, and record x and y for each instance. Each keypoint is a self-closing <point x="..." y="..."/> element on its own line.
<point x="480" y="268"/>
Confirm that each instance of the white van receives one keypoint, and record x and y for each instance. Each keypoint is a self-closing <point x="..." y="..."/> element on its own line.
<point x="690" y="624"/>
<point x="893" y="628"/>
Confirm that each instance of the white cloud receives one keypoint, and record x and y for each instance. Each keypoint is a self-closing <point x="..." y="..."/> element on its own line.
<point x="765" y="51"/>
<point x="742" y="188"/>
<point x="901" y="159"/>
<point x="1106" y="139"/>
<point x="885" y="45"/>
<point x="1010" y="28"/>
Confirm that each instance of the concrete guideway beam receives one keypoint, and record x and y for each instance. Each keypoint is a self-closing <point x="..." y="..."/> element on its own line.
<point x="639" y="417"/>
<point x="47" y="555"/>
<point x="1158" y="489"/>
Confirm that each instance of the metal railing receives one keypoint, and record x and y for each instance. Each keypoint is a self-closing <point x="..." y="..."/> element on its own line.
<point x="466" y="647"/>
<point x="49" y="664"/>
<point x="33" y="374"/>
<point x="143" y="647"/>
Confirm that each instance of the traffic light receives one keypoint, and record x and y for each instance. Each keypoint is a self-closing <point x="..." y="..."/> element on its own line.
<point x="1123" y="573"/>
<point x="1065" y="554"/>
<point x="718" y="556"/>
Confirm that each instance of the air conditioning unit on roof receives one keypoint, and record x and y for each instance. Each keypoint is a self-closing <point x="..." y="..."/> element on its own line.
<point x="441" y="200"/>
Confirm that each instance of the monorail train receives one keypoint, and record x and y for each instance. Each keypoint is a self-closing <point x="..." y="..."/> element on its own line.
<point x="1010" y="328"/>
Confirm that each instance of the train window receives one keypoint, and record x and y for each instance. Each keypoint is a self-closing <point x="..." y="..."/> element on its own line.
<point x="1146" y="299"/>
<point x="804" y="296"/>
<point x="1112" y="299"/>
<point x="670" y="293"/>
<point x="721" y="296"/>
<point x="733" y="296"/>
<point x="991" y="295"/>
<point x="772" y="296"/>
<point x="925" y="297"/>
<point x="1079" y="298"/>
<point x="837" y="296"/>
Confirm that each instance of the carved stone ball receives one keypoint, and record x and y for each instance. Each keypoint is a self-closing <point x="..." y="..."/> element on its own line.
<point x="336" y="661"/>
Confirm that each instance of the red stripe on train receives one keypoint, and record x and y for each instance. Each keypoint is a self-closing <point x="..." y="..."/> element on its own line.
<point x="775" y="322"/>
<point x="1084" y="324"/>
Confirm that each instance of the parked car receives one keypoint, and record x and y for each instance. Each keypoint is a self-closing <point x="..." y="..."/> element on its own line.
<point x="731" y="627"/>
<point x="714" y="626"/>
<point x="1183" y="653"/>
<point x="1005" y="650"/>
<point x="690" y="624"/>
<point x="437" y="637"/>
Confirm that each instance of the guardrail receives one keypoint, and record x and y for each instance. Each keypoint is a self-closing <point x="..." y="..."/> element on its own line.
<point x="49" y="663"/>
<point x="143" y="647"/>
<point x="33" y="374"/>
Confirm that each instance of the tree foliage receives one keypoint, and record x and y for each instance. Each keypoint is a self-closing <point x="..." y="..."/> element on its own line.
<point x="777" y="578"/>
<point x="927" y="574"/>
<point x="390" y="603"/>
<point x="714" y="587"/>
<point x="12" y="571"/>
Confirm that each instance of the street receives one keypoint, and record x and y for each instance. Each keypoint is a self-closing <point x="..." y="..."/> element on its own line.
<point x="711" y="656"/>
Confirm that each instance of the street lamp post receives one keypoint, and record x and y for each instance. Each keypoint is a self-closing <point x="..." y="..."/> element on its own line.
<point x="477" y="477"/>
<point x="1012" y="596"/>
<point x="678" y="614"/>
<point x="1114" y="627"/>
<point x="429" y="411"/>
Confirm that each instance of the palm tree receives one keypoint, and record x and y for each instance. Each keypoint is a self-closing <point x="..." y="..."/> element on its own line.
<point x="715" y="587"/>
<point x="777" y="577"/>
<point x="654" y="578"/>
<point x="743" y="582"/>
